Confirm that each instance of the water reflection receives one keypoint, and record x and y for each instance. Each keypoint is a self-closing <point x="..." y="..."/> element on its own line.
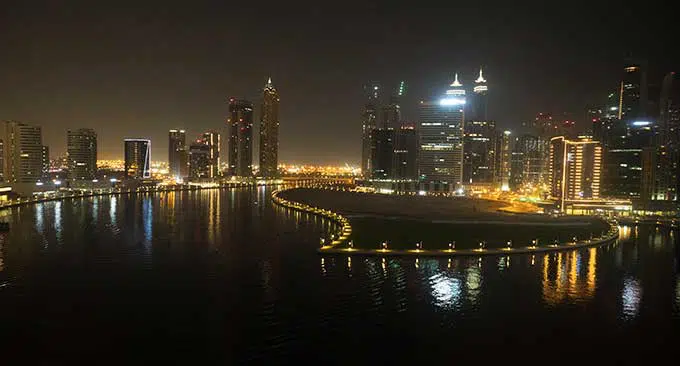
<point x="147" y="224"/>
<point x="473" y="281"/>
<point x="95" y="209"/>
<point x="112" y="210"/>
<point x="40" y="217"/>
<point x="57" y="219"/>
<point x="446" y="290"/>
<point x="630" y="297"/>
<point x="563" y="277"/>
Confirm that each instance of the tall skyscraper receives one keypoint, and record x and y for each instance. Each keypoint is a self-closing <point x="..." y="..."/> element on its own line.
<point x="81" y="153"/>
<point x="480" y="103"/>
<point x="269" y="132"/>
<point x="633" y="92"/>
<point x="668" y="177"/>
<point x="441" y="140"/>
<point x="137" y="158"/>
<point x="480" y="152"/>
<point x="176" y="147"/>
<point x="574" y="169"/>
<point x="240" y="124"/>
<point x="22" y="152"/>
<point x="213" y="141"/>
<point x="405" y="161"/>
<point x="391" y="113"/>
<point x="527" y="162"/>
<point x="45" y="163"/>
<point x="369" y="122"/>
<point x="200" y="161"/>
<point x="502" y="167"/>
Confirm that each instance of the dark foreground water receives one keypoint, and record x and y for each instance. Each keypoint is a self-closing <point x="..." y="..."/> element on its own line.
<point x="222" y="276"/>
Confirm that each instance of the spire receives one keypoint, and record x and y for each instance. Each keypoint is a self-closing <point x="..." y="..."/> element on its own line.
<point x="480" y="79"/>
<point x="456" y="83"/>
<point x="269" y="82"/>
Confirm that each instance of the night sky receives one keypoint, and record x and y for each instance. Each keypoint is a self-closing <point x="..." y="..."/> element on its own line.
<point x="139" y="70"/>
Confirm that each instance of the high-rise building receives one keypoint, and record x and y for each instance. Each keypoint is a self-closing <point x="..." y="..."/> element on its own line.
<point x="527" y="163"/>
<point x="405" y="153"/>
<point x="668" y="177"/>
<point x="240" y="124"/>
<point x="633" y="92"/>
<point x="480" y="152"/>
<point x="441" y="140"/>
<point x="391" y="113"/>
<point x="502" y="169"/>
<point x="200" y="161"/>
<point x="382" y="153"/>
<point x="480" y="102"/>
<point x="137" y="158"/>
<point x="22" y="152"/>
<point x="212" y="140"/>
<point x="575" y="169"/>
<point x="81" y="153"/>
<point x="269" y="132"/>
<point x="176" y="147"/>
<point x="45" y="163"/>
<point x="369" y="120"/>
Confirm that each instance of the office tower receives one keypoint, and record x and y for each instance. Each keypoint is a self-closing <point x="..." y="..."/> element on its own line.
<point x="269" y="132"/>
<point x="479" y="151"/>
<point x="2" y="158"/>
<point x="441" y="140"/>
<point x="45" y="163"/>
<point x="200" y="160"/>
<point x="212" y="140"/>
<point x="405" y="159"/>
<point x="391" y="113"/>
<point x="633" y="92"/>
<point x="382" y="153"/>
<point x="137" y="158"/>
<point x="527" y="164"/>
<point x="669" y="140"/>
<point x="22" y="152"/>
<point x="369" y="120"/>
<point x="480" y="102"/>
<point x="81" y="153"/>
<point x="502" y="166"/>
<point x="240" y="124"/>
<point x="574" y="169"/>
<point x="176" y="147"/>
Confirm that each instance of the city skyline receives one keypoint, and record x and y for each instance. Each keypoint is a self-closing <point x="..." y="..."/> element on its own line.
<point x="83" y="70"/>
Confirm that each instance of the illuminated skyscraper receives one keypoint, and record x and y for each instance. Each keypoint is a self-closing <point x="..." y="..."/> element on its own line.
<point x="480" y="102"/>
<point x="45" y="163"/>
<point x="200" y="162"/>
<point x="480" y="152"/>
<point x="176" y="148"/>
<point x="213" y="141"/>
<point x="81" y="151"/>
<point x="441" y="140"/>
<point x="574" y="169"/>
<point x="502" y="168"/>
<point x="269" y="132"/>
<point x="22" y="152"/>
<point x="369" y="120"/>
<point x="240" y="124"/>
<point x="137" y="158"/>
<point x="633" y="93"/>
<point x="669" y="140"/>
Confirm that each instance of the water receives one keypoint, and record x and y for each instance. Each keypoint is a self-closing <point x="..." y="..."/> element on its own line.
<point x="225" y="276"/>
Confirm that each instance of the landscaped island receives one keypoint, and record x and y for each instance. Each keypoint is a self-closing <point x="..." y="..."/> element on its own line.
<point x="402" y="221"/>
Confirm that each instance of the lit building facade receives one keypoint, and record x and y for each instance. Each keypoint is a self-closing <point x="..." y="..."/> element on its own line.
<point x="480" y="101"/>
<point x="81" y="151"/>
<point x="502" y="166"/>
<point x="441" y="134"/>
<point x="528" y="164"/>
<point x="22" y="152"/>
<point x="269" y="132"/>
<point x="480" y="152"/>
<point x="667" y="183"/>
<point x="369" y="122"/>
<point x="45" y="163"/>
<point x="240" y="124"/>
<point x="213" y="141"/>
<point x="200" y="161"/>
<point x="575" y="169"/>
<point x="382" y="153"/>
<point x="176" y="148"/>
<point x="406" y="153"/>
<point x="137" y="158"/>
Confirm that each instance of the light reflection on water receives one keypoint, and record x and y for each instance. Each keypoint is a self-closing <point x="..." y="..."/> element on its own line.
<point x="631" y="297"/>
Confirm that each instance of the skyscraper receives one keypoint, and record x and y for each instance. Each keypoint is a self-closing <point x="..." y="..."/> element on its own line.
<point x="527" y="162"/>
<point x="369" y="120"/>
<point x="633" y="92"/>
<point x="212" y="140"/>
<point x="176" y="147"/>
<point x="269" y="132"/>
<point x="200" y="161"/>
<point x="574" y="169"/>
<point x="502" y="167"/>
<point x="137" y="158"/>
<point x="479" y="151"/>
<point x="240" y="124"/>
<point x="391" y="113"/>
<point x="480" y="103"/>
<point x="441" y="140"/>
<point x="22" y="152"/>
<point x="405" y="161"/>
<point x="81" y="151"/>
<point x="669" y="140"/>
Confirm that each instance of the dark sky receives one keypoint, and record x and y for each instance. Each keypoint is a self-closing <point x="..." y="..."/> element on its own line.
<point x="139" y="70"/>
